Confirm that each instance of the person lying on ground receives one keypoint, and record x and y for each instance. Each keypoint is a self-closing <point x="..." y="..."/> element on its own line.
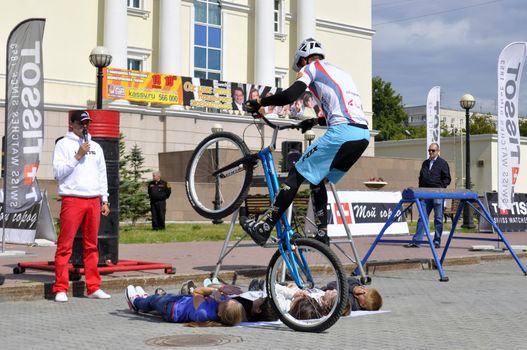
<point x="205" y="307"/>
<point x="300" y="304"/>
<point x="360" y="296"/>
<point x="257" y="306"/>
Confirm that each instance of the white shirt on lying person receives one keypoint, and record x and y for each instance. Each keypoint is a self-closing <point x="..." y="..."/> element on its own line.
<point x="284" y="295"/>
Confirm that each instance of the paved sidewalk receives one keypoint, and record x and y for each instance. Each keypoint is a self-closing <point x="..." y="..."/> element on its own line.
<point x="482" y="307"/>
<point x="197" y="260"/>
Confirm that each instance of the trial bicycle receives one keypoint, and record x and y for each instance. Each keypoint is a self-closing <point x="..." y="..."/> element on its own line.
<point x="218" y="178"/>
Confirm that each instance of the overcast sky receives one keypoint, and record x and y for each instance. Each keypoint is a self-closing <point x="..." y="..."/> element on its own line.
<point x="455" y="44"/>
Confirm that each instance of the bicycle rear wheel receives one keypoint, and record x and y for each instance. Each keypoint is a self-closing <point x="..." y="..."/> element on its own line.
<point x="215" y="197"/>
<point x="317" y="266"/>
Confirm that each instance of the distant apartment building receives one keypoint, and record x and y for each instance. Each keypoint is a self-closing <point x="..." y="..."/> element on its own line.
<point x="452" y="119"/>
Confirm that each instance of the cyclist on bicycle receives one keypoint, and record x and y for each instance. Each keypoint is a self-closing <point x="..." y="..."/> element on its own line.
<point x="331" y="155"/>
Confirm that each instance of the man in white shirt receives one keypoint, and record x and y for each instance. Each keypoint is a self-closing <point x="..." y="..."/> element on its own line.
<point x="80" y="169"/>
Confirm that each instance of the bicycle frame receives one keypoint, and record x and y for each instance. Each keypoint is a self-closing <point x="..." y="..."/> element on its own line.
<point x="283" y="228"/>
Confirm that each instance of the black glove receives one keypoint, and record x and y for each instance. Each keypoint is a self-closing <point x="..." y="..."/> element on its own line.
<point x="307" y="124"/>
<point x="252" y="106"/>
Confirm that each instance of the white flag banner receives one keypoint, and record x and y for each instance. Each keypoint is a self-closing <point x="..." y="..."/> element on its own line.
<point x="510" y="66"/>
<point x="433" y="131"/>
<point x="24" y="126"/>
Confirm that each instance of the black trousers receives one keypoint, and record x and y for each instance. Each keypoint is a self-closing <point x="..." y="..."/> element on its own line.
<point x="158" y="210"/>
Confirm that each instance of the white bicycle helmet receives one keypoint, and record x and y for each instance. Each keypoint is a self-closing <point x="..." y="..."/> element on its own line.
<point x="307" y="48"/>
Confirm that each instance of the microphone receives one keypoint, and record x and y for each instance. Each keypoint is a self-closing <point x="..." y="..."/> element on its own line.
<point x="85" y="134"/>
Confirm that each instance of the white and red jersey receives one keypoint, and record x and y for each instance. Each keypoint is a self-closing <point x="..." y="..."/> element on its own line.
<point x="335" y="91"/>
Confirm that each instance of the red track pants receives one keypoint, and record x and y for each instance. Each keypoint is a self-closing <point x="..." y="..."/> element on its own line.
<point x="75" y="211"/>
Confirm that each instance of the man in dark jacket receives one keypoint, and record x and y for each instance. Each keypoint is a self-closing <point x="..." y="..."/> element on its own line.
<point x="158" y="191"/>
<point x="434" y="173"/>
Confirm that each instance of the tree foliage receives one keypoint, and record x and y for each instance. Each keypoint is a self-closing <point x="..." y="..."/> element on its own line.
<point x="133" y="198"/>
<point x="523" y="127"/>
<point x="389" y="117"/>
<point x="482" y="124"/>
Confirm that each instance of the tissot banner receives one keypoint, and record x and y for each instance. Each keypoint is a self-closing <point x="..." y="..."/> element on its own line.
<point x="25" y="226"/>
<point x="433" y="131"/>
<point x="21" y="227"/>
<point x="510" y="66"/>
<point x="509" y="220"/>
<point x="24" y="127"/>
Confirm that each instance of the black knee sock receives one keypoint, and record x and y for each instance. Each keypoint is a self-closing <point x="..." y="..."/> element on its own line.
<point x="319" y="196"/>
<point x="285" y="197"/>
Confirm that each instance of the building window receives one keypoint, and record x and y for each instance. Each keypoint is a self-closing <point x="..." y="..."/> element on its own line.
<point x="207" y="39"/>
<point x="279" y="76"/>
<point x="138" y="8"/>
<point x="137" y="4"/>
<point x="279" y="16"/>
<point x="137" y="58"/>
<point x="134" y="64"/>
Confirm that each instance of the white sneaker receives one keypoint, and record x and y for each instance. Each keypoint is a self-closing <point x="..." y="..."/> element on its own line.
<point x="130" y="294"/>
<point x="99" y="294"/>
<point x="141" y="292"/>
<point x="61" y="297"/>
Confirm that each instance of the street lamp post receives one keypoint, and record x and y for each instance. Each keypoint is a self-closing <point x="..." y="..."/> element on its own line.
<point x="100" y="58"/>
<point x="309" y="136"/>
<point x="217" y="199"/>
<point x="467" y="102"/>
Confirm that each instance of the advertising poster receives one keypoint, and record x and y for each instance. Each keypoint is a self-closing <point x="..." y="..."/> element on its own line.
<point x="196" y="93"/>
<point x="366" y="212"/>
<point x="508" y="220"/>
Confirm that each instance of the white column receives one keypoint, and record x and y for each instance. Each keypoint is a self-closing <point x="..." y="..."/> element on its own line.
<point x="116" y="31"/>
<point x="169" y="37"/>
<point x="305" y="20"/>
<point x="264" y="42"/>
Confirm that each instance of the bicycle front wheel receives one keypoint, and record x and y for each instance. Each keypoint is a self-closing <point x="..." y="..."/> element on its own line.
<point x="312" y="309"/>
<point x="215" y="197"/>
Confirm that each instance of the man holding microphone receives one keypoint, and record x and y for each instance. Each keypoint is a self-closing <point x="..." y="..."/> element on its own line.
<point x="80" y="169"/>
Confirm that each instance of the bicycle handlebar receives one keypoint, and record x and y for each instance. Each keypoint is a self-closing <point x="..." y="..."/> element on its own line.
<point x="275" y="128"/>
<point x="258" y="115"/>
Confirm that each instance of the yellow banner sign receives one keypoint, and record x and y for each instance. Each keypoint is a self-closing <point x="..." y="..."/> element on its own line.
<point x="155" y="88"/>
<point x="142" y="86"/>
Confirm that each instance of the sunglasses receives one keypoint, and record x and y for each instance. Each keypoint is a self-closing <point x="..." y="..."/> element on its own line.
<point x="432" y="150"/>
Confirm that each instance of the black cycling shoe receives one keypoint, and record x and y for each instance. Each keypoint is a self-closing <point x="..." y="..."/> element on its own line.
<point x="160" y="291"/>
<point x="259" y="231"/>
<point x="254" y="285"/>
<point x="322" y="236"/>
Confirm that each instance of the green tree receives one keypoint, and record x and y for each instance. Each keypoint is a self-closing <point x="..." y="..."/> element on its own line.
<point x="133" y="199"/>
<point x="523" y="126"/>
<point x="389" y="117"/>
<point x="482" y="124"/>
